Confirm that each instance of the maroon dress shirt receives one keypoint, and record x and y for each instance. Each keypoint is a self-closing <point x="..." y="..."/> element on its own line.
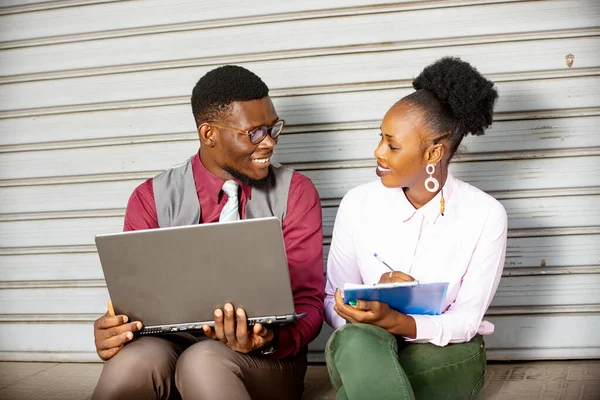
<point x="302" y="234"/>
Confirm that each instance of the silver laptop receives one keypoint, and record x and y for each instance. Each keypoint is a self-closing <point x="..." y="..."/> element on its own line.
<point x="172" y="279"/>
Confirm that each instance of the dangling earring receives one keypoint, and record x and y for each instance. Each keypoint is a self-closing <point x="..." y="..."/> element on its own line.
<point x="436" y="185"/>
<point x="442" y="201"/>
<point x="430" y="169"/>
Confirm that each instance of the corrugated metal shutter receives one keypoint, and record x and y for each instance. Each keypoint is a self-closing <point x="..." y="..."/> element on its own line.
<point x="94" y="99"/>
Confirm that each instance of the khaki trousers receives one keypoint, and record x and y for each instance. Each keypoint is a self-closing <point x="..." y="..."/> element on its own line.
<point x="183" y="366"/>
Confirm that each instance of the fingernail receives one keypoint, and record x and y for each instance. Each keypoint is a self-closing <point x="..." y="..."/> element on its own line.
<point x="139" y="325"/>
<point x="125" y="319"/>
<point x="228" y="308"/>
<point x="353" y="303"/>
<point x="218" y="313"/>
<point x="129" y="335"/>
<point x="240" y="313"/>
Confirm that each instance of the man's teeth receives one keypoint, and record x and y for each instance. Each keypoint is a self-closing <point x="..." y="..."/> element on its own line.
<point x="383" y="169"/>
<point x="261" y="160"/>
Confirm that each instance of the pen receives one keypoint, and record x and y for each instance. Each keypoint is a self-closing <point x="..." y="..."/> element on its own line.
<point x="111" y="310"/>
<point x="392" y="270"/>
<point x="384" y="263"/>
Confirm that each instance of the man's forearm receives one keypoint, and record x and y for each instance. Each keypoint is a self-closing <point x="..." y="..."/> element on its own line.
<point x="294" y="337"/>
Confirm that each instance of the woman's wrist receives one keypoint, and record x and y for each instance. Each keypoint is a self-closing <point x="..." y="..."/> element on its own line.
<point x="403" y="325"/>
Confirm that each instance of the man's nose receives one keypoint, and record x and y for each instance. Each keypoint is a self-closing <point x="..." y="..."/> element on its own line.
<point x="268" y="142"/>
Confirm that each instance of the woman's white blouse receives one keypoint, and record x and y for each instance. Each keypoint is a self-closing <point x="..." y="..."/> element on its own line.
<point x="465" y="247"/>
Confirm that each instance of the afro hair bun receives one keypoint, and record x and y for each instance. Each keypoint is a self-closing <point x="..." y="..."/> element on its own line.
<point x="463" y="92"/>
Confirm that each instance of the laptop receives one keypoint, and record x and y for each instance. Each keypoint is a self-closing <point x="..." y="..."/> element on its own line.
<point x="172" y="279"/>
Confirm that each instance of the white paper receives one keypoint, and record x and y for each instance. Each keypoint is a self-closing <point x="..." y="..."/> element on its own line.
<point x="379" y="285"/>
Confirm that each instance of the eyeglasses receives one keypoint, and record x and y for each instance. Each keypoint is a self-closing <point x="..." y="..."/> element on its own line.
<point x="259" y="133"/>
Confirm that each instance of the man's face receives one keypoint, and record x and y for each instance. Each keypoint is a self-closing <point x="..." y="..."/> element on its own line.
<point x="234" y="153"/>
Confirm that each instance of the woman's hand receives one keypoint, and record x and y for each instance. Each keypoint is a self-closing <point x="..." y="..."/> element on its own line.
<point x="375" y="313"/>
<point x="395" y="276"/>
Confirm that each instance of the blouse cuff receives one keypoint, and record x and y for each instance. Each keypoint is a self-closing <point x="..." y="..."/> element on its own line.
<point x="426" y="328"/>
<point x="331" y="317"/>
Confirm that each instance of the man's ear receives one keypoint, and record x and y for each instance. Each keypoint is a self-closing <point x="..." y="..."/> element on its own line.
<point x="207" y="135"/>
<point x="435" y="153"/>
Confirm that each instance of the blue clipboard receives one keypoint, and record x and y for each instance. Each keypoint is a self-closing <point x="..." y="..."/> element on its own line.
<point x="407" y="297"/>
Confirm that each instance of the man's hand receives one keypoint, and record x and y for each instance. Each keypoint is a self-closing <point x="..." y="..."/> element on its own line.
<point x="232" y="329"/>
<point x="395" y="276"/>
<point x="111" y="332"/>
<point x="375" y="313"/>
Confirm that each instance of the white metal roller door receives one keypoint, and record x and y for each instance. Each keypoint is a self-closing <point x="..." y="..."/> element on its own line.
<point x="94" y="98"/>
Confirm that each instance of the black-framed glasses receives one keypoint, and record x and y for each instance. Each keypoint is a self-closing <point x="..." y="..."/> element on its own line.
<point x="259" y="133"/>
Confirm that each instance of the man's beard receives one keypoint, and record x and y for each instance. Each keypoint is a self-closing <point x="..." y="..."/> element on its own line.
<point x="245" y="179"/>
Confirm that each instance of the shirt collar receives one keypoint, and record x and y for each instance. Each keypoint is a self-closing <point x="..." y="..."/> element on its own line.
<point x="431" y="210"/>
<point x="211" y="184"/>
<point x="405" y="209"/>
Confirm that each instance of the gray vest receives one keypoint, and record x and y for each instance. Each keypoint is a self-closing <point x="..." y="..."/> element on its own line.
<point x="177" y="202"/>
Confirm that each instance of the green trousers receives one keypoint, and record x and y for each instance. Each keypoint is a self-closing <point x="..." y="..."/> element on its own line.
<point x="367" y="362"/>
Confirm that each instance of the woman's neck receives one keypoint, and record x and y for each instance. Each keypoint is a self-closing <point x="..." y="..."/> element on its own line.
<point x="418" y="196"/>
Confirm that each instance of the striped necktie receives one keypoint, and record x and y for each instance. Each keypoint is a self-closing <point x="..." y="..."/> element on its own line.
<point x="230" y="210"/>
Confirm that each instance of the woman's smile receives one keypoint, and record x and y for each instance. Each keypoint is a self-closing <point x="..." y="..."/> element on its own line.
<point x="381" y="170"/>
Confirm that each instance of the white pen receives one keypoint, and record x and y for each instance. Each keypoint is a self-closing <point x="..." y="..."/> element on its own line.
<point x="390" y="268"/>
<point x="384" y="263"/>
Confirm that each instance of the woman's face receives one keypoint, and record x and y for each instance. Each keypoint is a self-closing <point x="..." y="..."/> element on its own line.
<point x="400" y="155"/>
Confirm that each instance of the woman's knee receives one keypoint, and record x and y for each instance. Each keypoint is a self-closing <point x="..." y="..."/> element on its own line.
<point x="457" y="369"/>
<point x="363" y="335"/>
<point x="364" y="353"/>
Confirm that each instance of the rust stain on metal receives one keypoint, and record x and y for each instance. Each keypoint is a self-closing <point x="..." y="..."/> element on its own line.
<point x="569" y="59"/>
<point x="543" y="263"/>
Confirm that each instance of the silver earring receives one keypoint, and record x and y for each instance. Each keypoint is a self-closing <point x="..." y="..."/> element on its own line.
<point x="430" y="169"/>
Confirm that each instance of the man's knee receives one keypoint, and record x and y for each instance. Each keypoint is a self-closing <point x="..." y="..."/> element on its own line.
<point x="201" y="358"/>
<point x="144" y="365"/>
<point x="206" y="367"/>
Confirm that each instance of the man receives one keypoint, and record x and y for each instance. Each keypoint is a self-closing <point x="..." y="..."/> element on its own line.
<point x="231" y="177"/>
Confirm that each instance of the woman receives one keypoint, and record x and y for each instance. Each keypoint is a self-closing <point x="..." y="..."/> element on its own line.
<point x="426" y="225"/>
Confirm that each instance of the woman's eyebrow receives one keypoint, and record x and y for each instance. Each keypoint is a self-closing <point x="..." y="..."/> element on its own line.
<point x="389" y="137"/>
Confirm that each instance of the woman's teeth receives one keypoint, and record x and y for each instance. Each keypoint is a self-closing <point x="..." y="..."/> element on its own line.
<point x="261" y="160"/>
<point x="381" y="169"/>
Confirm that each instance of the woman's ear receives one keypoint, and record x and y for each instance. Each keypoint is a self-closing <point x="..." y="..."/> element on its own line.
<point x="207" y="135"/>
<point x="435" y="153"/>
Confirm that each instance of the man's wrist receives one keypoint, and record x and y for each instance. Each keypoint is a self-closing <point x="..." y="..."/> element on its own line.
<point x="270" y="347"/>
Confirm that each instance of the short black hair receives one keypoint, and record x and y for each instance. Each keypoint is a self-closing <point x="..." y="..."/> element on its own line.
<point x="220" y="87"/>
<point x="454" y="98"/>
